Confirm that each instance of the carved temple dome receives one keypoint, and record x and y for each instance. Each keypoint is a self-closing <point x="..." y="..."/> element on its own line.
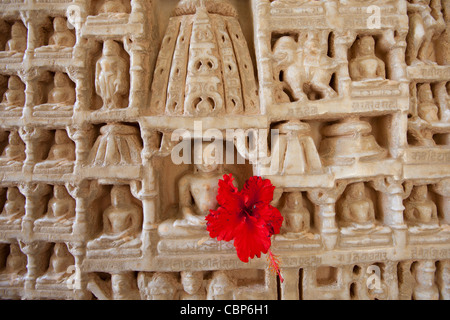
<point x="204" y="66"/>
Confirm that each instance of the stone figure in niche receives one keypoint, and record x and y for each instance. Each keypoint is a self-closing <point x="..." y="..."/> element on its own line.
<point x="296" y="215"/>
<point x="61" y="154"/>
<point x="14" y="97"/>
<point x="58" y="270"/>
<point x="221" y="287"/>
<point x="319" y="68"/>
<point x="16" y="267"/>
<point x="357" y="210"/>
<point x="366" y="66"/>
<point x="14" y="208"/>
<point x="122" y="222"/>
<point x="197" y="194"/>
<point x="62" y="97"/>
<point x="299" y="67"/>
<point x="61" y="39"/>
<point x="162" y="286"/>
<point x="423" y="30"/>
<point x="18" y="41"/>
<point x="420" y="211"/>
<point x="61" y="208"/>
<point x="111" y="80"/>
<point x="14" y="153"/>
<point x="426" y="107"/>
<point x="118" y="144"/>
<point x="192" y="283"/>
<point x="112" y="6"/>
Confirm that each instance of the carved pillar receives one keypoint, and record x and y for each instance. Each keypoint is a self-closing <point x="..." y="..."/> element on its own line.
<point x="289" y="288"/>
<point x="83" y="137"/>
<point x="84" y="194"/>
<point x="426" y="288"/>
<point x="443" y="189"/>
<point x="38" y="256"/>
<point x="443" y="279"/>
<point x="34" y="21"/>
<point x="33" y="96"/>
<point x="138" y="52"/>
<point x="33" y="137"/>
<point x="35" y="204"/>
<point x="147" y="189"/>
<point x="392" y="193"/>
<point x="325" y="216"/>
<point x="263" y="46"/>
<point x="342" y="44"/>
<point x="80" y="281"/>
<point x="394" y="43"/>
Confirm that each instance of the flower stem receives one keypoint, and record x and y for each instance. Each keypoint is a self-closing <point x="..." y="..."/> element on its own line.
<point x="274" y="264"/>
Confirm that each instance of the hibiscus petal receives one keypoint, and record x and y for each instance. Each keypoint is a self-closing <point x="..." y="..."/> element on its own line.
<point x="271" y="216"/>
<point x="257" y="190"/>
<point x="252" y="238"/>
<point x="228" y="195"/>
<point x="222" y="224"/>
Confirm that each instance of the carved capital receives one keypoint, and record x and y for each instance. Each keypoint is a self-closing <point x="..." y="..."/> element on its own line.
<point x="33" y="134"/>
<point x="34" y="190"/>
<point x="34" y="248"/>
<point x="327" y="196"/>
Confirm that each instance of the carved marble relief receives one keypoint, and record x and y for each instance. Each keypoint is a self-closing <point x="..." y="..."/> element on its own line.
<point x="119" y="117"/>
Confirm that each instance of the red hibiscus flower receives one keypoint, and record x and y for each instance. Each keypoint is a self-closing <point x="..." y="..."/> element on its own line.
<point x="246" y="217"/>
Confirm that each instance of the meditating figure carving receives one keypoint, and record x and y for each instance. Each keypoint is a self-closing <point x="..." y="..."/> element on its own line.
<point x="14" y="208"/>
<point x="122" y="222"/>
<point x="420" y="211"/>
<point x="18" y="41"/>
<point x="62" y="97"/>
<point x="357" y="210"/>
<point x="58" y="270"/>
<point x="366" y="65"/>
<point x="14" y="97"/>
<point x="426" y="107"/>
<point x="16" y="267"/>
<point x="14" y="153"/>
<point x="61" y="209"/>
<point x="61" y="154"/>
<point x="111" y="80"/>
<point x="61" y="39"/>
<point x="296" y="215"/>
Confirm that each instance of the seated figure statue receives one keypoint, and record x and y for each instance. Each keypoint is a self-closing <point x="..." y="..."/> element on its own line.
<point x="112" y="6"/>
<point x="18" y="41"/>
<point x="14" y="153"/>
<point x="62" y="38"/>
<point x="62" y="97"/>
<point x="426" y="107"/>
<point x="296" y="215"/>
<point x="357" y="210"/>
<point x="14" y="97"/>
<point x="122" y="222"/>
<point x="16" y="267"/>
<point x="197" y="195"/>
<point x="61" y="154"/>
<point x="366" y="66"/>
<point x="58" y="270"/>
<point x="14" y="208"/>
<point x="61" y="209"/>
<point x="420" y="211"/>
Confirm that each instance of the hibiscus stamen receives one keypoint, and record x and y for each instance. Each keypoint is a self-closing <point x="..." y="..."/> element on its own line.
<point x="274" y="264"/>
